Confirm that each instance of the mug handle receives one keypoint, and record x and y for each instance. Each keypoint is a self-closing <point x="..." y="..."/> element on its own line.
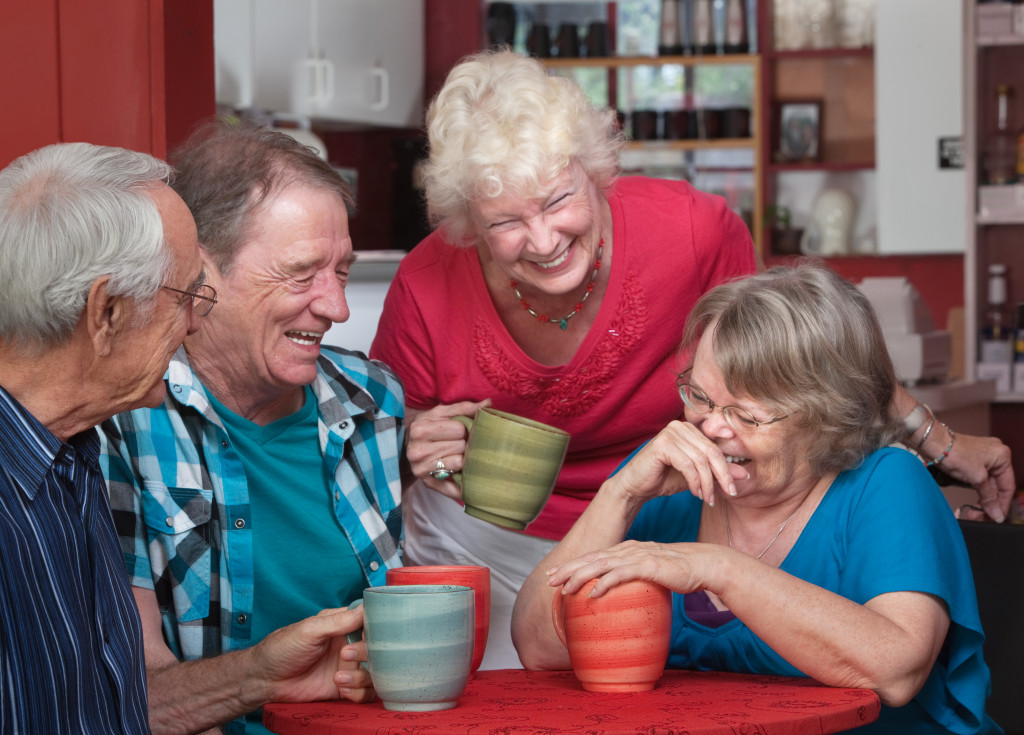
<point x="558" y="615"/>
<point x="466" y="421"/>
<point x="356" y="635"/>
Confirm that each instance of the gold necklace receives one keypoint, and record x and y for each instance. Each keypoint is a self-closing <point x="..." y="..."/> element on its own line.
<point x="728" y="531"/>
<point x="564" y="321"/>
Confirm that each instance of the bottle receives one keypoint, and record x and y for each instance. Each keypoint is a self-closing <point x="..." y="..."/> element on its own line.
<point x="996" y="344"/>
<point x="1001" y="147"/>
<point x="703" y="38"/>
<point x="1020" y="153"/>
<point x="718" y="25"/>
<point x="668" y="37"/>
<point x="686" y="26"/>
<point x="1018" y="335"/>
<point x="736" y="27"/>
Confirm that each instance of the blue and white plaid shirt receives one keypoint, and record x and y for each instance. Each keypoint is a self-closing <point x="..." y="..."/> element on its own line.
<point x="181" y="503"/>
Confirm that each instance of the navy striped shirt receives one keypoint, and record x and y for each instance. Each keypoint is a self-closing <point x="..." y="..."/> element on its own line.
<point x="71" y="655"/>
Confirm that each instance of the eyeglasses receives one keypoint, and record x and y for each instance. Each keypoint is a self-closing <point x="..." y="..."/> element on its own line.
<point x="739" y="419"/>
<point x="206" y="294"/>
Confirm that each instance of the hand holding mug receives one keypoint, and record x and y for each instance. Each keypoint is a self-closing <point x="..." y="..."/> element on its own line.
<point x="436" y="443"/>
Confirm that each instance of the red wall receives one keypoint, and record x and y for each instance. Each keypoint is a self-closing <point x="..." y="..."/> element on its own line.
<point x="132" y="73"/>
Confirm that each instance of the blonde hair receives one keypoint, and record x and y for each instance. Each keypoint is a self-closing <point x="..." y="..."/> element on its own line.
<point x="500" y="123"/>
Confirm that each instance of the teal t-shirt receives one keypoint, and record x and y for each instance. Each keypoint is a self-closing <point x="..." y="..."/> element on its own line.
<point x="303" y="560"/>
<point x="881" y="527"/>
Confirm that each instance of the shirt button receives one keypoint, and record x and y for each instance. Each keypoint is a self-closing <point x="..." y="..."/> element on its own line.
<point x="344" y="424"/>
<point x="170" y="521"/>
<point x="176" y="388"/>
<point x="224" y="443"/>
<point x="240" y="523"/>
<point x="337" y="494"/>
<point x="242" y="619"/>
<point x="374" y="566"/>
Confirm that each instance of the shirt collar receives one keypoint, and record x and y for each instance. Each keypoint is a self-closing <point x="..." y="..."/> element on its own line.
<point x="28" y="449"/>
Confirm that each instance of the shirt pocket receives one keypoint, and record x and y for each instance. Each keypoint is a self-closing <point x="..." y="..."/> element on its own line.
<point x="180" y="534"/>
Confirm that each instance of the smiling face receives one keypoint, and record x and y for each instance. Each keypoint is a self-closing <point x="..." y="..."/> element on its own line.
<point x="284" y="290"/>
<point x="549" y="242"/>
<point x="774" y="454"/>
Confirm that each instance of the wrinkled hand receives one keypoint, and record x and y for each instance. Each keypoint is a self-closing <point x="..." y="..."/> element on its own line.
<point x="680" y="567"/>
<point x="310" y="660"/>
<point x="983" y="462"/>
<point x="434" y="435"/>
<point x="680" y="457"/>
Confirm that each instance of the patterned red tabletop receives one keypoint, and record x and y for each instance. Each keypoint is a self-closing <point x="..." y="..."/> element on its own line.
<point x="515" y="701"/>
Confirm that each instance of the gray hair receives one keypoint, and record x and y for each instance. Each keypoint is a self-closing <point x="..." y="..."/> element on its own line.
<point x="502" y="123"/>
<point x="71" y="213"/>
<point x="803" y="341"/>
<point x="228" y="169"/>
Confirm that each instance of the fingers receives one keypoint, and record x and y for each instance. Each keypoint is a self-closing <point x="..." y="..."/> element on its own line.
<point x="353" y="681"/>
<point x="621" y="563"/>
<point x="681" y="457"/>
<point x="434" y="435"/>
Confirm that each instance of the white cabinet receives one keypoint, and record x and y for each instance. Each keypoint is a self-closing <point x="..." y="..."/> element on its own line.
<point x="919" y="102"/>
<point x="349" y="60"/>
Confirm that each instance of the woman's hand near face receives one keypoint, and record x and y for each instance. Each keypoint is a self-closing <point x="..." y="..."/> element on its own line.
<point x="435" y="435"/>
<point x="679" y="458"/>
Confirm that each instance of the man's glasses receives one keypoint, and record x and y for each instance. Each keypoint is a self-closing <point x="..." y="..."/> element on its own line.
<point x="741" y="420"/>
<point x="207" y="296"/>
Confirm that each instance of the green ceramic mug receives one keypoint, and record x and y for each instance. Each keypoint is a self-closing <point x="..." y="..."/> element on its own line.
<point x="511" y="465"/>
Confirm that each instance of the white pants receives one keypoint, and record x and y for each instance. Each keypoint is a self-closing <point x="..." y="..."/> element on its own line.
<point x="438" y="531"/>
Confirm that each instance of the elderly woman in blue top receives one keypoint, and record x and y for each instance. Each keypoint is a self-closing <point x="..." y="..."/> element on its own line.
<point x="796" y="541"/>
<point x="266" y="486"/>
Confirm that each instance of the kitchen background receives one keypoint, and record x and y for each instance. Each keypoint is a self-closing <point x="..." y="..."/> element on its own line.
<point x="891" y="92"/>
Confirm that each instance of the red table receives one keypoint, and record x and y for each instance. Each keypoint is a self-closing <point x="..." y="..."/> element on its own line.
<point x="536" y="702"/>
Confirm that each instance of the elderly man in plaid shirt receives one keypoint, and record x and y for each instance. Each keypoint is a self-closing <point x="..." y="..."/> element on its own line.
<point x="266" y="488"/>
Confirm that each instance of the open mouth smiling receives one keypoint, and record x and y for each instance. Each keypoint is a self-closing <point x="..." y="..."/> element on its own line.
<point x="556" y="262"/>
<point x="305" y="338"/>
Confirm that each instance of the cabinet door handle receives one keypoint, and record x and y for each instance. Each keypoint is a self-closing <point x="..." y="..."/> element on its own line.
<point x="381" y="74"/>
<point x="320" y="75"/>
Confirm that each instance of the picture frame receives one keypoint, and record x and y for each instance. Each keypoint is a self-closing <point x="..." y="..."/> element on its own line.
<point x="798" y="130"/>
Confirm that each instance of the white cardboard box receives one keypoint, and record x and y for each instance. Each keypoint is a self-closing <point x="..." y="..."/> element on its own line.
<point x="995" y="19"/>
<point x="1001" y="201"/>
<point x="1001" y="372"/>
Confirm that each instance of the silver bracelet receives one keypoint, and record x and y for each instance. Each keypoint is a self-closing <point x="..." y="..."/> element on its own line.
<point x="927" y="432"/>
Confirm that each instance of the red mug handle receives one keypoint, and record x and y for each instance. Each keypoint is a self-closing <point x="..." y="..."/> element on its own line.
<point x="558" y="615"/>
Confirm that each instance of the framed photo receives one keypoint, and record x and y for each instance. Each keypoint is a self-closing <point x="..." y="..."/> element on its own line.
<point x="799" y="130"/>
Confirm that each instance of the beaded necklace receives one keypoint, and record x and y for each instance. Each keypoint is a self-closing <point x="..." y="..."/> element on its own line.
<point x="564" y="321"/>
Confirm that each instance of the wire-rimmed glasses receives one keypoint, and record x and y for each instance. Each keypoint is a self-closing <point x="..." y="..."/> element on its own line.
<point x="206" y="294"/>
<point x="739" y="419"/>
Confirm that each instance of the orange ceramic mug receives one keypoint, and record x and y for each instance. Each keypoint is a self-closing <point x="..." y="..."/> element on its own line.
<point x="617" y="642"/>
<point x="479" y="578"/>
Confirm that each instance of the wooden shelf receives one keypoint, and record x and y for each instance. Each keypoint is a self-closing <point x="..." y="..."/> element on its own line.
<point x="1009" y="40"/>
<point x="988" y="219"/>
<point x="774" y="168"/>
<point x="822" y="53"/>
<point x="621" y="61"/>
<point x="692" y="144"/>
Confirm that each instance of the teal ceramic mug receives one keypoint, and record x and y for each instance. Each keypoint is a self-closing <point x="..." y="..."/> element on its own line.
<point x="419" y="644"/>
<point x="510" y="468"/>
